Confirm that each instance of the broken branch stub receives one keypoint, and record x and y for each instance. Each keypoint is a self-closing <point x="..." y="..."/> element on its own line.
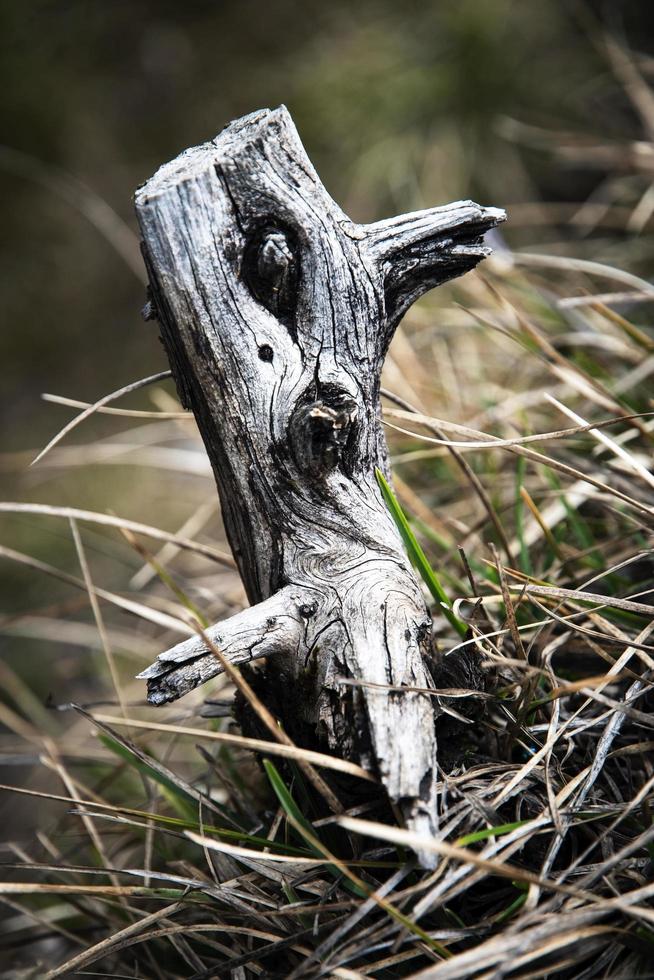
<point x="276" y="312"/>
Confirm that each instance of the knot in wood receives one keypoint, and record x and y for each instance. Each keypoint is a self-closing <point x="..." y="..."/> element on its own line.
<point x="320" y="430"/>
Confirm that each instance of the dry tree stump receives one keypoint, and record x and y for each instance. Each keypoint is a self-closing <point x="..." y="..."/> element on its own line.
<point x="276" y="312"/>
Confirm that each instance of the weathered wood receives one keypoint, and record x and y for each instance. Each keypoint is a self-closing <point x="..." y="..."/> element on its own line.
<point x="276" y="312"/>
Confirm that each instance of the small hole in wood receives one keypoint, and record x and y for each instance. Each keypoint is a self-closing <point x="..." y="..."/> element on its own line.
<point x="266" y="352"/>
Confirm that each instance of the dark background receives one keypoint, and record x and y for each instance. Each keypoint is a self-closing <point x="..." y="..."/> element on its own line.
<point x="399" y="105"/>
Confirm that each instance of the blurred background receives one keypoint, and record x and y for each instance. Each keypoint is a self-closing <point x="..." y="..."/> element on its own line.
<point x="542" y="108"/>
<point x="399" y="106"/>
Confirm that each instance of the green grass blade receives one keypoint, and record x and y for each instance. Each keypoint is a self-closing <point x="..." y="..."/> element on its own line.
<point x="417" y="555"/>
<point x="499" y="831"/>
<point x="287" y="802"/>
<point x="289" y="806"/>
<point x="512" y="908"/>
<point x="182" y="802"/>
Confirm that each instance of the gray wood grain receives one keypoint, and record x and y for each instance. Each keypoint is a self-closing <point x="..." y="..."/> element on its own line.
<point x="276" y="312"/>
